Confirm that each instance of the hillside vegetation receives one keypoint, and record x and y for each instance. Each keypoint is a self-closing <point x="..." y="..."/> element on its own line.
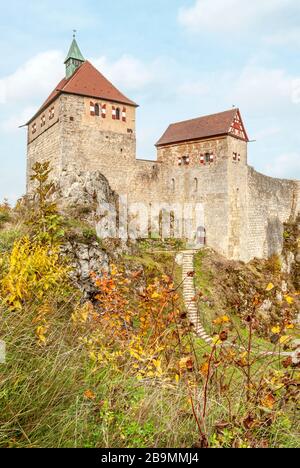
<point x="120" y="366"/>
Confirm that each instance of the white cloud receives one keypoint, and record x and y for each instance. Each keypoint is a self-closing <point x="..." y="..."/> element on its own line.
<point x="261" y="88"/>
<point x="255" y="88"/>
<point x="228" y="15"/>
<point x="195" y="88"/>
<point x="296" y="91"/>
<point x="34" y="79"/>
<point x="264" y="133"/>
<point x="129" y="72"/>
<point x="284" y="38"/>
<point x="284" y="166"/>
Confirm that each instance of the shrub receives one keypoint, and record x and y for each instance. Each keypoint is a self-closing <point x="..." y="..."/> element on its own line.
<point x="5" y="213"/>
<point x="33" y="270"/>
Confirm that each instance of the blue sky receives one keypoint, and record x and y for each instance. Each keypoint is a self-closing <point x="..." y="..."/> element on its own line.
<point x="178" y="59"/>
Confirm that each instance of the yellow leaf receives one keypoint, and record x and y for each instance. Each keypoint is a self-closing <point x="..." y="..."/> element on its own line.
<point x="93" y="356"/>
<point x="216" y="340"/>
<point x="157" y="363"/>
<point x="40" y="333"/>
<point x="290" y="326"/>
<point x="155" y="295"/>
<point x="285" y="339"/>
<point x="268" y="401"/>
<point x="289" y="299"/>
<point x="204" y="369"/>
<point x="270" y="287"/>
<point x="221" y="320"/>
<point x="177" y="378"/>
<point x="276" y="330"/>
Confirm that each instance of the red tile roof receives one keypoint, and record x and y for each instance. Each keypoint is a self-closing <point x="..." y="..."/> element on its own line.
<point x="200" y="128"/>
<point x="87" y="81"/>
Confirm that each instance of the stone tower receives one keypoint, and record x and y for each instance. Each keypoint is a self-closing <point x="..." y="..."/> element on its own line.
<point x="86" y="121"/>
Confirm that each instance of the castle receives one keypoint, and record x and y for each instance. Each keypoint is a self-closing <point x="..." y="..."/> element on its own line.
<point x="87" y="123"/>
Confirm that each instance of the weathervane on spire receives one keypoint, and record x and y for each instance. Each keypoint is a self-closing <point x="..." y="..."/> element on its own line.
<point x="74" y="33"/>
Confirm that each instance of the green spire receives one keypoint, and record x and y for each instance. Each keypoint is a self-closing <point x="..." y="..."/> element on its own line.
<point x="74" y="58"/>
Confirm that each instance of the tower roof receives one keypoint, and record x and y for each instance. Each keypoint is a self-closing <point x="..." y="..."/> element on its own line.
<point x="223" y="123"/>
<point x="74" y="52"/>
<point x="89" y="82"/>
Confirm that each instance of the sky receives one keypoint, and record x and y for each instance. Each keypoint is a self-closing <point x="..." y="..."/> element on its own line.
<point x="178" y="59"/>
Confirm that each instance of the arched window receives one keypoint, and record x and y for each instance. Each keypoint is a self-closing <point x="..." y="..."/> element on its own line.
<point x="196" y="185"/>
<point x="201" y="236"/>
<point x="118" y="114"/>
<point x="160" y="223"/>
<point x="97" y="110"/>
<point x="173" y="185"/>
<point x="172" y="225"/>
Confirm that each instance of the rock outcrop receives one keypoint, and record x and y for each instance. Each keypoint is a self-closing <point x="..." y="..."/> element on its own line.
<point x="80" y="197"/>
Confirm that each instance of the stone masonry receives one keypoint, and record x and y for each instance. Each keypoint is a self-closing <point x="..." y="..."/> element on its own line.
<point x="243" y="210"/>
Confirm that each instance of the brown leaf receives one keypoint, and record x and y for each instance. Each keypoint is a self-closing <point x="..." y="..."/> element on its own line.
<point x="268" y="401"/>
<point x="223" y="336"/>
<point x="287" y="362"/>
<point x="191" y="274"/>
<point x="136" y="274"/>
<point x="221" y="425"/>
<point x="202" y="444"/>
<point x="249" y="421"/>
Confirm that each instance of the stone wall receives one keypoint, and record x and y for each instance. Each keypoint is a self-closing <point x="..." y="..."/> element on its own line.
<point x="271" y="202"/>
<point x="46" y="147"/>
<point x="191" y="187"/>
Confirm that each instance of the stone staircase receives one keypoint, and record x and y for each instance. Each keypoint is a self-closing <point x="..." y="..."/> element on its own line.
<point x="189" y="293"/>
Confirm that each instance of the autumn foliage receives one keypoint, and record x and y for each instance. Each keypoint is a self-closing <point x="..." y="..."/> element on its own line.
<point x="125" y="368"/>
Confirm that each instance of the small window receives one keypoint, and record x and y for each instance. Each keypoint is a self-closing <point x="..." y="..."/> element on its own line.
<point x="196" y="185"/>
<point x="235" y="156"/>
<point x="97" y="110"/>
<point x="186" y="160"/>
<point x="173" y="185"/>
<point x="33" y="128"/>
<point x="51" y="113"/>
<point x="118" y="114"/>
<point x="43" y="121"/>
<point x="207" y="157"/>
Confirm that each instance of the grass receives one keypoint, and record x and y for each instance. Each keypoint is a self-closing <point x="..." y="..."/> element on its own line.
<point x="42" y="402"/>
